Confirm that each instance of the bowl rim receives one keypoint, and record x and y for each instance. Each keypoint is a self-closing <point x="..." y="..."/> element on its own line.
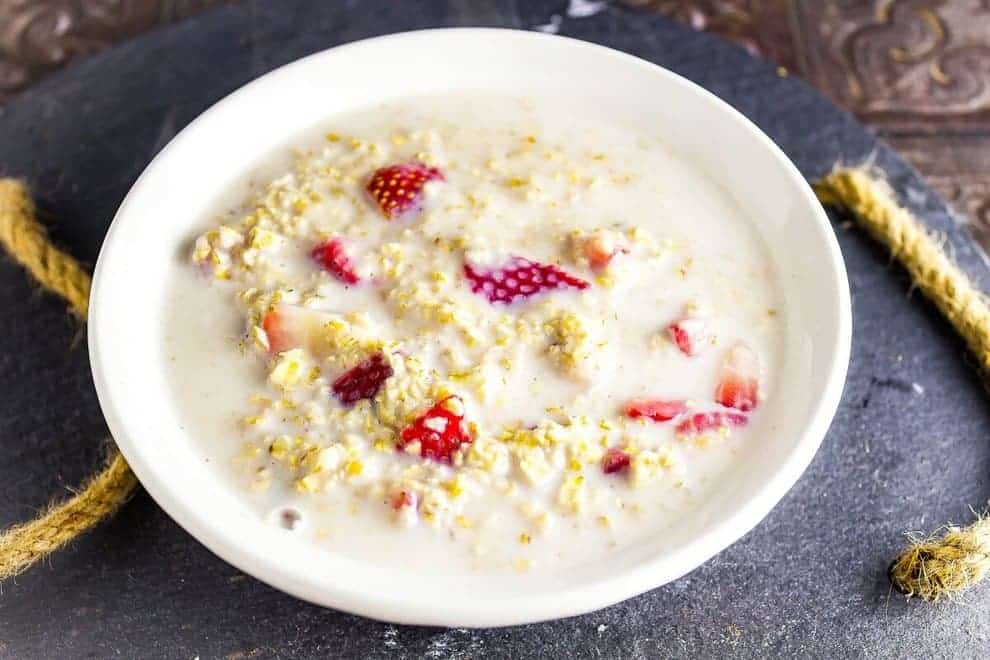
<point x="639" y="578"/>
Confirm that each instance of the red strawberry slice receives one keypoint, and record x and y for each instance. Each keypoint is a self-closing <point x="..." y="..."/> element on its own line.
<point x="519" y="279"/>
<point x="615" y="460"/>
<point x="655" y="409"/>
<point x="291" y="326"/>
<point x="398" y="189"/>
<point x="709" y="421"/>
<point x="363" y="380"/>
<point x="691" y="335"/>
<point x="332" y="256"/>
<point x="739" y="383"/>
<point x="440" y="431"/>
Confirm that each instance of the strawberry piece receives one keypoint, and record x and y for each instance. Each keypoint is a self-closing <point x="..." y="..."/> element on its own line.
<point x="363" y="380"/>
<point x="655" y="409"/>
<point x="519" y="279"/>
<point x="291" y="326"/>
<point x="404" y="508"/>
<point x="403" y="498"/>
<point x="284" y="328"/>
<point x="615" y="460"/>
<point x="599" y="248"/>
<point x="739" y="384"/>
<point x="332" y="257"/>
<point x="398" y="189"/>
<point x="440" y="431"/>
<point x="598" y="257"/>
<point x="691" y="335"/>
<point x="708" y="421"/>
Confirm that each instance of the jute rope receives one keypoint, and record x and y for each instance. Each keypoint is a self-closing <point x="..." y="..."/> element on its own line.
<point x="871" y="202"/>
<point x="26" y="240"/>
<point x="939" y="566"/>
<point x="930" y="569"/>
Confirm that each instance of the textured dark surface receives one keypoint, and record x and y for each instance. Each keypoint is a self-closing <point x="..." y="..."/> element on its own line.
<point x="808" y="581"/>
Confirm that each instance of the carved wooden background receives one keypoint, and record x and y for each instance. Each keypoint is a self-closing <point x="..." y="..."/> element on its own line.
<point x="916" y="70"/>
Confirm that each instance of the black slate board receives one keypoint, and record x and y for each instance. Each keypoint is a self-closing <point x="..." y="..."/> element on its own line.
<point x="808" y="581"/>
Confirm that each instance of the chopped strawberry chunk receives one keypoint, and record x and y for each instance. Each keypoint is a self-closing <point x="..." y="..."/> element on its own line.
<point x="363" y="380"/>
<point x="440" y="431"/>
<point x="691" y="335"/>
<point x="404" y="505"/>
<point x="332" y="257"/>
<point x="284" y="329"/>
<point x="599" y="248"/>
<point x="398" y="189"/>
<point x="598" y="258"/>
<point x="709" y="421"/>
<point x="655" y="409"/>
<point x="403" y="498"/>
<point x="519" y="279"/>
<point x="291" y="326"/>
<point x="615" y="460"/>
<point x="739" y="384"/>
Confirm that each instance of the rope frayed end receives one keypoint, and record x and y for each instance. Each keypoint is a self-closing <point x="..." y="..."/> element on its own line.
<point x="843" y="187"/>
<point x="942" y="567"/>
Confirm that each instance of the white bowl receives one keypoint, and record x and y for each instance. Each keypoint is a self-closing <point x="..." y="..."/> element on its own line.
<point x="173" y="193"/>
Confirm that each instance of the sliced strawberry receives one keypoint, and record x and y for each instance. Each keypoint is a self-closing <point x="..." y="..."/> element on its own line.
<point x="332" y="256"/>
<point x="291" y="326"/>
<point x="692" y="335"/>
<point x="440" y="431"/>
<point x="709" y="421"/>
<point x="519" y="279"/>
<point x="398" y="189"/>
<point x="655" y="409"/>
<point x="615" y="460"/>
<point x="363" y="380"/>
<point x="739" y="384"/>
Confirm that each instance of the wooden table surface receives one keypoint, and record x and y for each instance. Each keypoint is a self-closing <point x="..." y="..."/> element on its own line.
<point x="918" y="71"/>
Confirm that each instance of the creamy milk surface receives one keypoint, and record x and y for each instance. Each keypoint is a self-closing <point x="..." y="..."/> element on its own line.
<point x="474" y="334"/>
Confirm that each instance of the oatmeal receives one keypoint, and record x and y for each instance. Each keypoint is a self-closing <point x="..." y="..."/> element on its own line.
<point x="475" y="334"/>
